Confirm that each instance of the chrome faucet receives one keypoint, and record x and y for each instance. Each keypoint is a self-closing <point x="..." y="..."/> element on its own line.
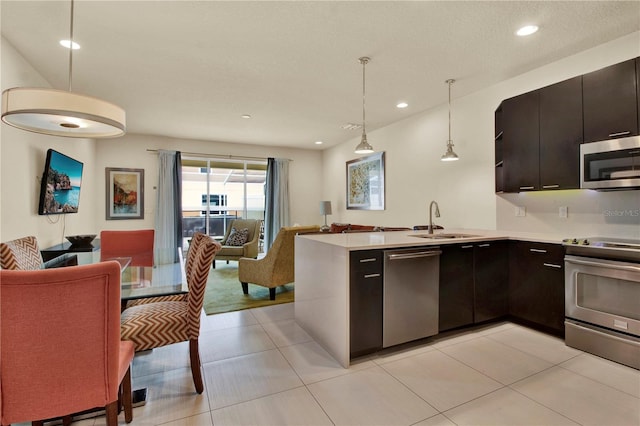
<point x="431" y="215"/>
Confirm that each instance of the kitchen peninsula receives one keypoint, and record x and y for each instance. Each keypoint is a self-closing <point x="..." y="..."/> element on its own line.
<point x="324" y="267"/>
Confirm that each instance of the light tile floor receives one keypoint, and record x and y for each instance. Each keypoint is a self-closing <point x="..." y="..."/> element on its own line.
<point x="260" y="368"/>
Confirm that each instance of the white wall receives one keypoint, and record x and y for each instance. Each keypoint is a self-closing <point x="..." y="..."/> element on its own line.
<point x="465" y="189"/>
<point x="22" y="157"/>
<point x="130" y="151"/>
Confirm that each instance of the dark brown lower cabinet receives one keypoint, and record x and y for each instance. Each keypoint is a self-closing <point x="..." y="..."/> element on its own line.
<point x="491" y="280"/>
<point x="456" y="286"/>
<point x="473" y="283"/>
<point x="536" y="285"/>
<point x="365" y="302"/>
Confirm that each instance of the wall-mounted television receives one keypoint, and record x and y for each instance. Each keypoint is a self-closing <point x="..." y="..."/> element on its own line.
<point x="60" y="186"/>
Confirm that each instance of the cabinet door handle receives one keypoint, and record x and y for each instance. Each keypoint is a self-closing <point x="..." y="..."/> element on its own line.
<point x="466" y="247"/>
<point x="527" y="187"/>
<point x="484" y="245"/>
<point x="552" y="265"/>
<point x="537" y="250"/>
<point x="372" y="275"/>
<point x="613" y="135"/>
<point x="371" y="259"/>
<point x="550" y="186"/>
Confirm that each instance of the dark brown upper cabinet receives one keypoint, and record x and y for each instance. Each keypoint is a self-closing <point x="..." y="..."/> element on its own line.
<point x="610" y="102"/>
<point x="560" y="134"/>
<point x="498" y="149"/>
<point x="520" y="143"/>
<point x="638" y="89"/>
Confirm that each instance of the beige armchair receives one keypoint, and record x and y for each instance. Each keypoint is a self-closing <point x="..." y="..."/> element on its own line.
<point x="248" y="249"/>
<point x="277" y="267"/>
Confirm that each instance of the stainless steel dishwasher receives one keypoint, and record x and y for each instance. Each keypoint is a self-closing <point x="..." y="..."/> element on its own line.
<point x="410" y="294"/>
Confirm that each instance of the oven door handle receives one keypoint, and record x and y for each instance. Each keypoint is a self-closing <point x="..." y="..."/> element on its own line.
<point x="603" y="265"/>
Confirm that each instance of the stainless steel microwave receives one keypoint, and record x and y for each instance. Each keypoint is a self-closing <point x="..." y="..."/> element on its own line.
<point x="611" y="164"/>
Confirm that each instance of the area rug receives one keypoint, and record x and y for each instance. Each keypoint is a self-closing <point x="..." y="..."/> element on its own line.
<point x="224" y="292"/>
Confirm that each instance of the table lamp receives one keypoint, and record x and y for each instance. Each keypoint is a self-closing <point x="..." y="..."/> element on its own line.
<point x="325" y="209"/>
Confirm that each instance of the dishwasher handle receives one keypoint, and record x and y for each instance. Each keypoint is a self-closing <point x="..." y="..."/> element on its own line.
<point x="414" y="254"/>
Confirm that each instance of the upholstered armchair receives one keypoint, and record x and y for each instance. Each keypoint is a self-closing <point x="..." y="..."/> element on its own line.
<point x="247" y="249"/>
<point x="151" y="325"/>
<point x="21" y="254"/>
<point x="277" y="267"/>
<point x="136" y="244"/>
<point x="60" y="344"/>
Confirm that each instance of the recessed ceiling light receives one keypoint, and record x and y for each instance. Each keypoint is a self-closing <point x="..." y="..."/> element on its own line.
<point x="318" y="142"/>
<point x="247" y="116"/>
<point x="402" y="105"/>
<point x="68" y="43"/>
<point x="527" y="30"/>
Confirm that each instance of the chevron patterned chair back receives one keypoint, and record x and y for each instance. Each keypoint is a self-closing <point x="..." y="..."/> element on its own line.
<point x="196" y="240"/>
<point x="21" y="254"/>
<point x="151" y="325"/>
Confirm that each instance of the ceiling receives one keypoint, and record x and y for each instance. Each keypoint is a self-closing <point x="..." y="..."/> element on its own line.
<point x="191" y="69"/>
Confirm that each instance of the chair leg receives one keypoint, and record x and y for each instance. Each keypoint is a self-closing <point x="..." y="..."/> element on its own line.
<point x="196" y="371"/>
<point x="126" y="397"/>
<point x="272" y="293"/>
<point x="245" y="288"/>
<point x="112" y="413"/>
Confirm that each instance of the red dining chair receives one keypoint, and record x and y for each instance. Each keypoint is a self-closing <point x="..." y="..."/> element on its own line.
<point x="60" y="344"/>
<point x="136" y="244"/>
<point x="22" y="253"/>
<point x="151" y="325"/>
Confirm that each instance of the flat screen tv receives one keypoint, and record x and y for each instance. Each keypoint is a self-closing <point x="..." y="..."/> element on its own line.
<point x="60" y="186"/>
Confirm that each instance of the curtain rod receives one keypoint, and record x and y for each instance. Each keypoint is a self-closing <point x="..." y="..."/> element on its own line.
<point x="230" y="157"/>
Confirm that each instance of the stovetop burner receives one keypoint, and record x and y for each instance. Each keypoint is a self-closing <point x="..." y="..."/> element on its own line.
<point x="602" y="247"/>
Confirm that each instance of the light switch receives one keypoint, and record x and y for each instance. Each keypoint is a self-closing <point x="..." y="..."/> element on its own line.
<point x="521" y="211"/>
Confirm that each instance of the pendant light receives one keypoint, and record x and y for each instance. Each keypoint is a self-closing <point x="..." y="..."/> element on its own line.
<point x="449" y="155"/>
<point x="363" y="147"/>
<point x="62" y="113"/>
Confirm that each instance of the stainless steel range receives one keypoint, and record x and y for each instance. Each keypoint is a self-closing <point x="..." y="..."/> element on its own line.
<point x="602" y="297"/>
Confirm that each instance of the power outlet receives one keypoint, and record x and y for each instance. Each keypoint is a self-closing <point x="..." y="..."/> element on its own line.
<point x="521" y="211"/>
<point x="563" y="212"/>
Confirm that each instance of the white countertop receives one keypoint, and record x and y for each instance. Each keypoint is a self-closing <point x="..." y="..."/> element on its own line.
<point x="375" y="240"/>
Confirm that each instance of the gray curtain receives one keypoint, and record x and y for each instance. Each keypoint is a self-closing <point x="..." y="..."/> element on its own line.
<point x="168" y="235"/>
<point x="276" y="199"/>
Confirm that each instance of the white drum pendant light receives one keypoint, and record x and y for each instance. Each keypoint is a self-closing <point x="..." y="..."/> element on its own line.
<point x="363" y="147"/>
<point x="62" y="113"/>
<point x="450" y="155"/>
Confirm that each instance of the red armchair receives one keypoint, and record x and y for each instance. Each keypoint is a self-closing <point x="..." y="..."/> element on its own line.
<point x="60" y="343"/>
<point x="136" y="244"/>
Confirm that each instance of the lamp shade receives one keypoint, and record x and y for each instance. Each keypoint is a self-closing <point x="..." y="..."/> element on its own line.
<point x="61" y="113"/>
<point x="325" y="207"/>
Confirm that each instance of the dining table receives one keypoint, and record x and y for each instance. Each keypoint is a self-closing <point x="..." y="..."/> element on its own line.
<point x="137" y="282"/>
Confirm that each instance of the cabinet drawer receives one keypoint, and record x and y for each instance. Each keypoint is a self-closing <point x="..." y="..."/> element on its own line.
<point x="549" y="255"/>
<point x="366" y="262"/>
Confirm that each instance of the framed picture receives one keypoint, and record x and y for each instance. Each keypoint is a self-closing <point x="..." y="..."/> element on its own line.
<point x="365" y="183"/>
<point x="125" y="193"/>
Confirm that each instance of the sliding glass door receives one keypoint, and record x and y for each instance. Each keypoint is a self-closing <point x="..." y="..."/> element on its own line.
<point x="216" y="191"/>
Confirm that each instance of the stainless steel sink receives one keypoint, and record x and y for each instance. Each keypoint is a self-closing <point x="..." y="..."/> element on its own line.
<point x="444" y="236"/>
